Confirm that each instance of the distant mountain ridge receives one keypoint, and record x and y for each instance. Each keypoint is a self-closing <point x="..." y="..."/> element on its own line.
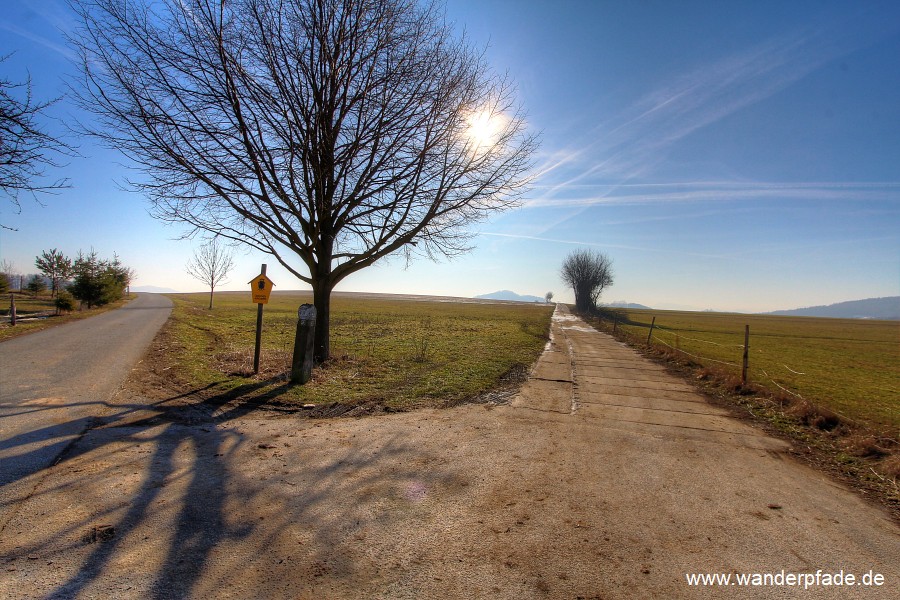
<point x="621" y="304"/>
<point x="153" y="289"/>
<point x="887" y="309"/>
<point x="509" y="296"/>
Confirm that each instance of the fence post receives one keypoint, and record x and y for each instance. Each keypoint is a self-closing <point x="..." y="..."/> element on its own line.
<point x="746" y="355"/>
<point x="652" y="323"/>
<point x="12" y="310"/>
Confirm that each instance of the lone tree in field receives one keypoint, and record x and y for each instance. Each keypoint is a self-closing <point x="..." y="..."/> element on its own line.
<point x="56" y="266"/>
<point x="25" y="148"/>
<point x="588" y="272"/>
<point x="211" y="264"/>
<point x="327" y="133"/>
<point x="548" y="297"/>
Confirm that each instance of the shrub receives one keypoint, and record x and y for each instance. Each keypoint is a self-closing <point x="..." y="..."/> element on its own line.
<point x="98" y="282"/>
<point x="65" y="302"/>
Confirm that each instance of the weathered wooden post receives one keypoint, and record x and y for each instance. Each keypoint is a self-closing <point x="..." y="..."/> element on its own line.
<point x="746" y="355"/>
<point x="652" y="323"/>
<point x="12" y="310"/>
<point x="302" y="362"/>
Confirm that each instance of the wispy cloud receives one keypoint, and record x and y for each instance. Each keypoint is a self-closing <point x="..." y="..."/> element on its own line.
<point x="44" y="23"/>
<point x="629" y="194"/>
<point x="595" y="244"/>
<point x="630" y="144"/>
<point x="56" y="47"/>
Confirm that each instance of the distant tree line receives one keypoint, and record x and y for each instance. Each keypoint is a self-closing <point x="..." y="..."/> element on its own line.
<point x="88" y="279"/>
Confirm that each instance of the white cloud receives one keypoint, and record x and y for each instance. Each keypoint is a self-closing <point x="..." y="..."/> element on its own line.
<point x="630" y="194"/>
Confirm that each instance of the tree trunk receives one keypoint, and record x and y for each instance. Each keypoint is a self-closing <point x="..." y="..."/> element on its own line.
<point x="211" y="288"/>
<point x="322" y="302"/>
<point x="322" y="284"/>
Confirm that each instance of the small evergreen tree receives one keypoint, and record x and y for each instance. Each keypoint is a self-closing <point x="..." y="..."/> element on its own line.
<point x="36" y="285"/>
<point x="98" y="281"/>
<point x="4" y="283"/>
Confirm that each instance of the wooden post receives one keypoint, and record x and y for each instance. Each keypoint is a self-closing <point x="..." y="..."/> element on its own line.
<point x="259" y="309"/>
<point x="746" y="355"/>
<point x="652" y="323"/>
<point x="12" y="310"/>
<point x="304" y="350"/>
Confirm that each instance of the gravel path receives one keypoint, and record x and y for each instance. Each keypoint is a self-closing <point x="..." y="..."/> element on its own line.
<point x="55" y="382"/>
<point x="604" y="478"/>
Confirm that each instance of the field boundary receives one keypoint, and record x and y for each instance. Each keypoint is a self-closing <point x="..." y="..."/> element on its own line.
<point x="860" y="455"/>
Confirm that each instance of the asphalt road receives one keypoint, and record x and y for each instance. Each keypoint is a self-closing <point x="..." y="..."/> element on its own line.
<point x="604" y="478"/>
<point x="56" y="382"/>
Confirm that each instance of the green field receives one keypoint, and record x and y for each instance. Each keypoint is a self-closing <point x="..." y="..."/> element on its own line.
<point x="394" y="352"/>
<point x="850" y="366"/>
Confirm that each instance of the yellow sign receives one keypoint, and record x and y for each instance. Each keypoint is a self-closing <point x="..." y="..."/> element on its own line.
<point x="261" y="287"/>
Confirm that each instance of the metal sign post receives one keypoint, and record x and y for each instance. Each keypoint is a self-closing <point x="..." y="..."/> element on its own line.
<point x="260" y="288"/>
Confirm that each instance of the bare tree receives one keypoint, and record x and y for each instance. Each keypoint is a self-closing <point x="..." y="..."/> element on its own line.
<point x="211" y="264"/>
<point x="12" y="274"/>
<point x="25" y="148"/>
<point x="327" y="133"/>
<point x="548" y="297"/>
<point x="588" y="272"/>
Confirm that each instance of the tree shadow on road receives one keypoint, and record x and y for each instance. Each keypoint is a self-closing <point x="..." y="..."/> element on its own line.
<point x="193" y="495"/>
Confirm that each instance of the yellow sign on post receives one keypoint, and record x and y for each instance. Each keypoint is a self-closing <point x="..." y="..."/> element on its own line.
<point x="261" y="287"/>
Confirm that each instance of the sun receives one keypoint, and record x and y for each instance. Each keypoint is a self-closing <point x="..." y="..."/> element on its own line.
<point x="484" y="129"/>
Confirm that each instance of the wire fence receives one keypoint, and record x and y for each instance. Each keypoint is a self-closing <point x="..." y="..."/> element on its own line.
<point x="849" y="367"/>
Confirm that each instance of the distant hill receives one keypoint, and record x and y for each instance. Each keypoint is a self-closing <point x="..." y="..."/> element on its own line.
<point x="621" y="304"/>
<point x="870" y="308"/>
<point x="152" y="289"/>
<point x="509" y="296"/>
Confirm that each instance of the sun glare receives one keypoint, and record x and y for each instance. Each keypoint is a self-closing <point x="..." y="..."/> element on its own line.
<point x="484" y="129"/>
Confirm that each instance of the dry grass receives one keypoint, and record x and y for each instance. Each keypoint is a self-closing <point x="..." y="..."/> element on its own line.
<point x="26" y="306"/>
<point x="397" y="354"/>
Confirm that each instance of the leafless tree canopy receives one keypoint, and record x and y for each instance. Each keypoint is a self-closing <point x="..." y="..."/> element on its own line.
<point x="211" y="264"/>
<point x="588" y="272"/>
<point x="26" y="150"/>
<point x="333" y="131"/>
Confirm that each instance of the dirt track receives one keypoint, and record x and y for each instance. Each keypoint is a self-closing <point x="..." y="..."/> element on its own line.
<point x="604" y="478"/>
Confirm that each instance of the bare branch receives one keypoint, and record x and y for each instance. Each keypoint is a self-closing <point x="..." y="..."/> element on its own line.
<point x="26" y="150"/>
<point x="211" y="264"/>
<point x="589" y="273"/>
<point x="328" y="133"/>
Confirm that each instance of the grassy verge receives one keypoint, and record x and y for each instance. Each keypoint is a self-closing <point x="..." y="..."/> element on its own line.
<point x="387" y="353"/>
<point x="829" y="385"/>
<point x="26" y="306"/>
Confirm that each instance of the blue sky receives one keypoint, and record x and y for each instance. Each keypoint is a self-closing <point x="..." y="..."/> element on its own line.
<point x="726" y="155"/>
